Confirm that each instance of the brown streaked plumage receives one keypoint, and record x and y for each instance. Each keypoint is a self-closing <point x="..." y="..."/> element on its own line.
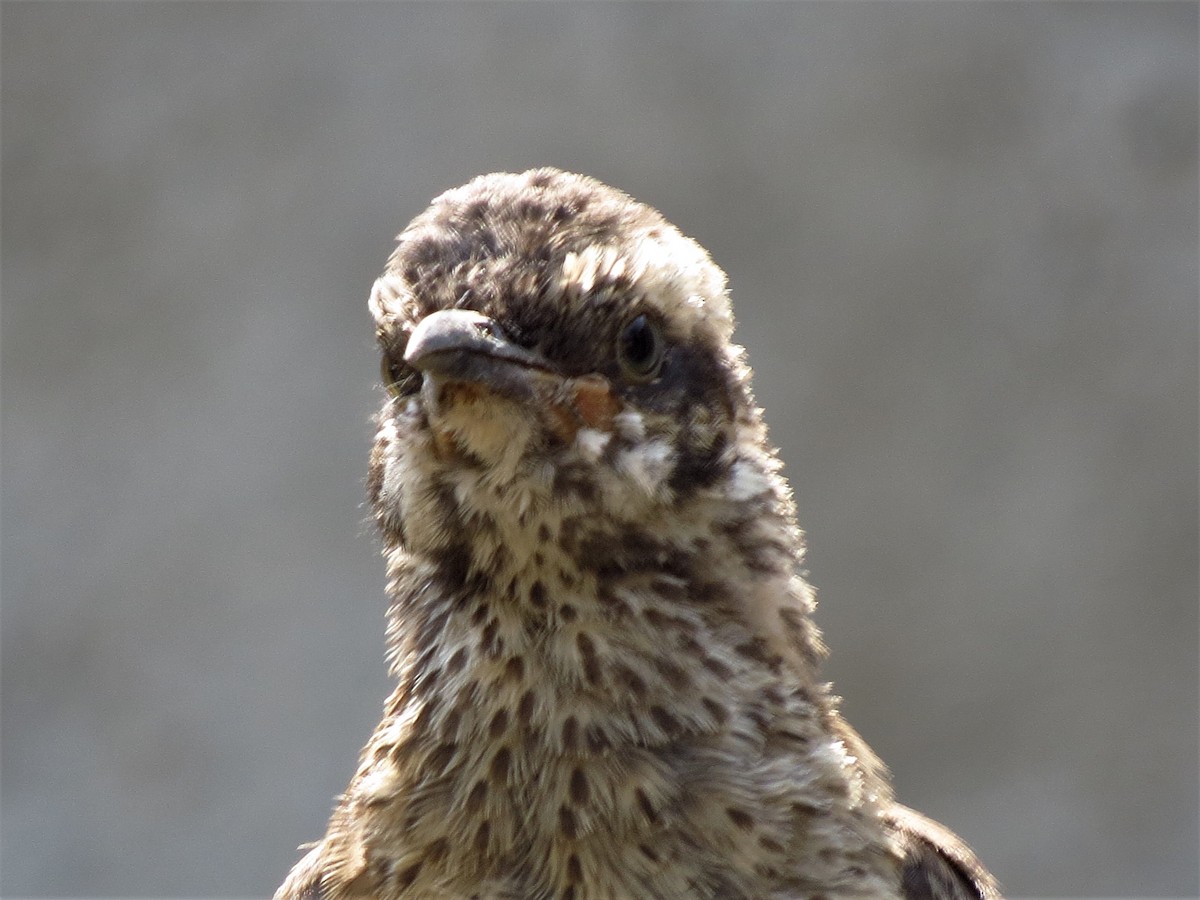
<point x="607" y="667"/>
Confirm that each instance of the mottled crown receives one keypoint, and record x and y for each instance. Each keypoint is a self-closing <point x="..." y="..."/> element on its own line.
<point x="522" y="246"/>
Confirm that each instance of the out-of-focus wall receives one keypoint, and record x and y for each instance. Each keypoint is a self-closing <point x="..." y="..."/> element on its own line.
<point x="962" y="244"/>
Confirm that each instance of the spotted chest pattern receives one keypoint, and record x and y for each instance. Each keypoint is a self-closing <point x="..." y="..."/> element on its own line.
<point x="578" y="703"/>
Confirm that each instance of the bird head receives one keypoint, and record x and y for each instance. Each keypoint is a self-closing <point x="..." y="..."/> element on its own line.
<point x="561" y="374"/>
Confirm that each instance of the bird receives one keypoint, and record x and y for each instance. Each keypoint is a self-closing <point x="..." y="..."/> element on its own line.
<point x="606" y="663"/>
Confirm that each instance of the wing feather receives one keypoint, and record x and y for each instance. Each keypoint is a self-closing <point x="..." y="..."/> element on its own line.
<point x="937" y="864"/>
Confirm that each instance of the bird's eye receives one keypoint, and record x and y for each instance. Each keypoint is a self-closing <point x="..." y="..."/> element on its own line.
<point x="640" y="349"/>
<point x="398" y="378"/>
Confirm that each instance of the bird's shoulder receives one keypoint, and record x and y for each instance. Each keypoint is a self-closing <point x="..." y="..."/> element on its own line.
<point x="936" y="864"/>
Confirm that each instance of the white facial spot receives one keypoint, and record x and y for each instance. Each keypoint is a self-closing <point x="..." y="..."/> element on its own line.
<point x="591" y="443"/>
<point x="647" y="466"/>
<point x="629" y="425"/>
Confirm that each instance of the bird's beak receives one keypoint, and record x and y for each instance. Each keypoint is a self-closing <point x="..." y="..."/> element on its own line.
<point x="468" y="353"/>
<point x="461" y="345"/>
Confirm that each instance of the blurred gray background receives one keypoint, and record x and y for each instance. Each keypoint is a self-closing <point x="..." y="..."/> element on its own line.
<point x="962" y="244"/>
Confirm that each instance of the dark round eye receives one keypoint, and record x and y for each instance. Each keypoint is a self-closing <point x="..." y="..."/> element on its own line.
<point x="640" y="349"/>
